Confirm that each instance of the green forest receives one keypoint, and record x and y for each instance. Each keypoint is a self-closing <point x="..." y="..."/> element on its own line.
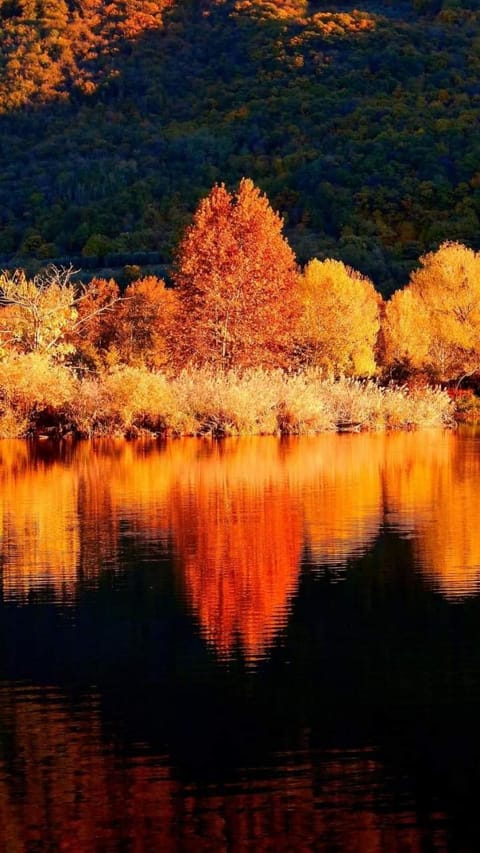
<point x="361" y="126"/>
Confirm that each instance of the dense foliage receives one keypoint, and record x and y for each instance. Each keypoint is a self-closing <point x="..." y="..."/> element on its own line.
<point x="246" y="341"/>
<point x="236" y="280"/>
<point x="115" y="119"/>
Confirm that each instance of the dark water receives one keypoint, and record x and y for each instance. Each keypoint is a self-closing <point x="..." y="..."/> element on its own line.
<point x="247" y="645"/>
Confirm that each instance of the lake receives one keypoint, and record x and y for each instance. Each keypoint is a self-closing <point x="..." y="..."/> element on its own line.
<point x="249" y="644"/>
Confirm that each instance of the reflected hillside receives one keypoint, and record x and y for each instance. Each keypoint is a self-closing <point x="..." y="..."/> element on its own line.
<point x="238" y="516"/>
<point x="63" y="773"/>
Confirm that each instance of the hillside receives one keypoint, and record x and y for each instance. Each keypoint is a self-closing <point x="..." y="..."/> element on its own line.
<point x="361" y="126"/>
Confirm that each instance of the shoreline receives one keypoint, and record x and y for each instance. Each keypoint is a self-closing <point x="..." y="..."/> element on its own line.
<point x="133" y="402"/>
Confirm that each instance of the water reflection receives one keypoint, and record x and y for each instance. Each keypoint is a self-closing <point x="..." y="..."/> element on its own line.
<point x="137" y="580"/>
<point x="342" y="495"/>
<point x="39" y="524"/>
<point x="239" y="515"/>
<point x="237" y="524"/>
<point x="64" y="786"/>
<point x="431" y="494"/>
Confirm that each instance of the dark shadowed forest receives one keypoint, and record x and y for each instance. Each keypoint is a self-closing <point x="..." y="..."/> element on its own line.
<point x="117" y="118"/>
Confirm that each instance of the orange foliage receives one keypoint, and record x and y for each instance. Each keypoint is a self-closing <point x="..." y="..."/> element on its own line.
<point x="77" y="795"/>
<point x="284" y="9"/>
<point x="237" y="283"/>
<point x="343" y="23"/>
<point x="145" y="323"/>
<point x="94" y="333"/>
<point x="47" y="45"/>
<point x="301" y="13"/>
<point x="132" y="329"/>
<point x="239" y="544"/>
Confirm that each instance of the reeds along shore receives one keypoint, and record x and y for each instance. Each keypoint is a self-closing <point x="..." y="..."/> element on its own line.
<point x="41" y="398"/>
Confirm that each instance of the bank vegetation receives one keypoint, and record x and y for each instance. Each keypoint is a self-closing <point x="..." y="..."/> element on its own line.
<point x="241" y="341"/>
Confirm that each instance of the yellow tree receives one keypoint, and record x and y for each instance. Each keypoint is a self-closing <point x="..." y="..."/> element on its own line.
<point x="440" y="313"/>
<point x="49" y="313"/>
<point x="237" y="283"/>
<point x="405" y="333"/>
<point x="340" y="319"/>
<point x="37" y="312"/>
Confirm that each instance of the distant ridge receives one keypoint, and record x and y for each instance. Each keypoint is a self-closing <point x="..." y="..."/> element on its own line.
<point x="361" y="126"/>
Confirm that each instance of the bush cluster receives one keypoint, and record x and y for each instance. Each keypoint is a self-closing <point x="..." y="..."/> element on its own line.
<point x="131" y="401"/>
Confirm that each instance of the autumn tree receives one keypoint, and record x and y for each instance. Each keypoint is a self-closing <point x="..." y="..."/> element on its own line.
<point x="434" y="324"/>
<point x="36" y="312"/>
<point x="405" y="334"/>
<point x="144" y="323"/>
<point x="340" y="319"/>
<point x="237" y="283"/>
<point x="51" y="314"/>
<point x="94" y="333"/>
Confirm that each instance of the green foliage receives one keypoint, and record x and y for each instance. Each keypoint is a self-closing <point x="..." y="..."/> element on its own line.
<point x="360" y="126"/>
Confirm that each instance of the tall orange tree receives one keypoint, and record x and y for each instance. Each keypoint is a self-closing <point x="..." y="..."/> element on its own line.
<point x="237" y="283"/>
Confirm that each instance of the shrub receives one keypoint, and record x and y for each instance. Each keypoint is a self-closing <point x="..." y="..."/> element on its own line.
<point x="466" y="403"/>
<point x="34" y="393"/>
<point x="418" y="407"/>
<point x="123" y="401"/>
<point x="230" y="403"/>
<point x="302" y="407"/>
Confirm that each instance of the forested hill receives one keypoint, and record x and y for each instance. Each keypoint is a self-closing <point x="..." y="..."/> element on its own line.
<point x="361" y="126"/>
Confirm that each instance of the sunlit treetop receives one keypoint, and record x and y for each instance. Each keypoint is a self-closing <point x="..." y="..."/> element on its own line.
<point x="340" y="319"/>
<point x="237" y="281"/>
<point x="434" y="323"/>
<point x="309" y="21"/>
<point x="51" y="47"/>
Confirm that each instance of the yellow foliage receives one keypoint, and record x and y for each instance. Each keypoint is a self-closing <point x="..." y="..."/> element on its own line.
<point x="405" y="330"/>
<point x="37" y="313"/>
<point x="29" y="384"/>
<point x="434" y="324"/>
<point x="340" y="320"/>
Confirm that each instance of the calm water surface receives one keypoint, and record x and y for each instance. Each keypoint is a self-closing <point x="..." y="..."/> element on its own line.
<point x="252" y="644"/>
